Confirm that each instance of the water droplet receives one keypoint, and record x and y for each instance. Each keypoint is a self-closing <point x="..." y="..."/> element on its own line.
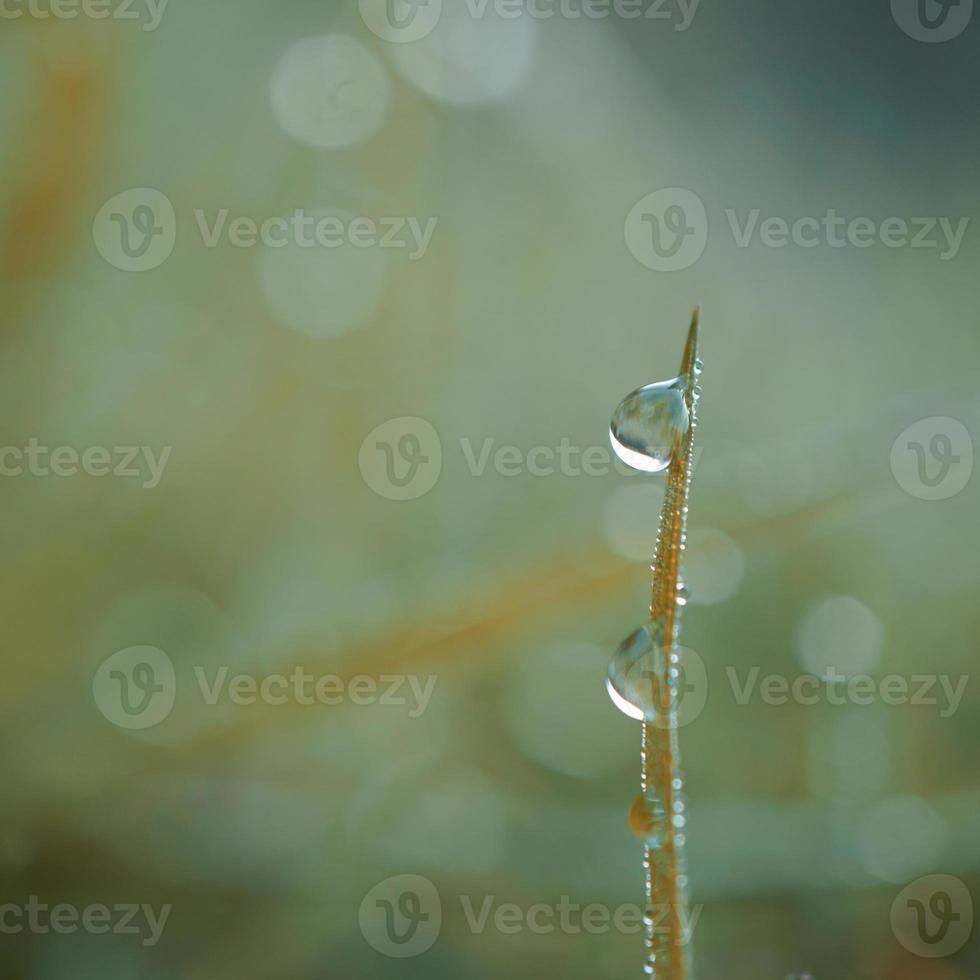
<point x="648" y="818"/>
<point x="633" y="678"/>
<point x="648" y="423"/>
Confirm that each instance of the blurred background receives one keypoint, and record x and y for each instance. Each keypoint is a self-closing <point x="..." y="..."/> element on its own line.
<point x="313" y="318"/>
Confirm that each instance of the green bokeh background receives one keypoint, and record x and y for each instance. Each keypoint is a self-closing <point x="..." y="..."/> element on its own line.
<point x="271" y="540"/>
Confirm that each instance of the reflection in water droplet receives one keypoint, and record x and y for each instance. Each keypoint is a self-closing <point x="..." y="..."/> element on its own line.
<point x="647" y="424"/>
<point x="633" y="678"/>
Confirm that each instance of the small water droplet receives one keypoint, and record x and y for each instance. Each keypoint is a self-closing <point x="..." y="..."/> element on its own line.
<point x="648" y="818"/>
<point x="633" y="679"/>
<point x="647" y="424"/>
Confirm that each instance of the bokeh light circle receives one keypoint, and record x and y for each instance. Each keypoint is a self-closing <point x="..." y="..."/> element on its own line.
<point x="320" y="291"/>
<point x="469" y="60"/>
<point x="329" y="91"/>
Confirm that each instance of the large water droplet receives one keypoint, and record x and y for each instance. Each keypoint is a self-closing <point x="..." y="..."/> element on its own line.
<point x="647" y="424"/>
<point x="635" y="672"/>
